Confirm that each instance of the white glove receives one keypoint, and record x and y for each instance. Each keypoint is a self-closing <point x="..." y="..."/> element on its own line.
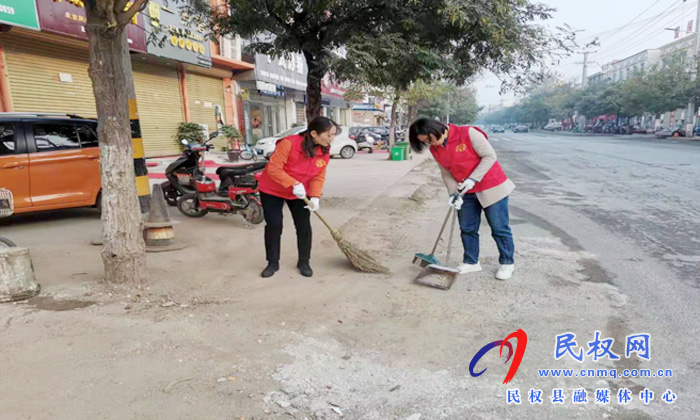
<point x="299" y="191"/>
<point x="456" y="201"/>
<point x="315" y="204"/>
<point x="465" y="186"/>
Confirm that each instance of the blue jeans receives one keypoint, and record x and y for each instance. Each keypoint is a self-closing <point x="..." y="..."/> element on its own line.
<point x="497" y="216"/>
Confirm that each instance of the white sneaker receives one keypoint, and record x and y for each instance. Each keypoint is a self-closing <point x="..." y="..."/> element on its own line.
<point x="469" y="268"/>
<point x="505" y="272"/>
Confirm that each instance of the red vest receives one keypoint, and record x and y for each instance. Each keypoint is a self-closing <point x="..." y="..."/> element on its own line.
<point x="460" y="159"/>
<point x="299" y="166"/>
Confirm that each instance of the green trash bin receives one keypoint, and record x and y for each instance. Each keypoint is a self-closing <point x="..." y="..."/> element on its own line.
<point x="406" y="149"/>
<point x="397" y="153"/>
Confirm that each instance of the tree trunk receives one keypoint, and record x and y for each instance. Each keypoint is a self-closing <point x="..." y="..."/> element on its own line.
<point x="123" y="252"/>
<point x="316" y="71"/>
<point x="392" y="125"/>
<point x="412" y="113"/>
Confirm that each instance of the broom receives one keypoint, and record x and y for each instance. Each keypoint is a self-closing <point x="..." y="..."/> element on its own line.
<point x="359" y="259"/>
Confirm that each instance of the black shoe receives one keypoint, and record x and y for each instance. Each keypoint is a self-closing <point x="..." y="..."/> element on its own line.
<point x="305" y="269"/>
<point x="271" y="269"/>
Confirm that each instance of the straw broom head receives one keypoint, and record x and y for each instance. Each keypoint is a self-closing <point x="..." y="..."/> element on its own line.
<point x="359" y="258"/>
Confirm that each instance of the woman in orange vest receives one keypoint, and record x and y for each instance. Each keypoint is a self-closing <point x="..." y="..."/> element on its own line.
<point x="297" y="170"/>
<point x="476" y="182"/>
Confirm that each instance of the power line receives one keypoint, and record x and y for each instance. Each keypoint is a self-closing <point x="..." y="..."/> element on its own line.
<point x="623" y="32"/>
<point x="637" y="40"/>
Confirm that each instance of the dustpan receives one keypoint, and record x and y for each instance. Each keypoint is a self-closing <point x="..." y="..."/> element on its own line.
<point x="425" y="260"/>
<point x="440" y="276"/>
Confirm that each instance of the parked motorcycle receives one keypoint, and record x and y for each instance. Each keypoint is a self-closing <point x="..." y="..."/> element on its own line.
<point x="185" y="170"/>
<point x="237" y="193"/>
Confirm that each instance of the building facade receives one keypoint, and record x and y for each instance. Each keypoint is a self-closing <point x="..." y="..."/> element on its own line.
<point x="184" y="79"/>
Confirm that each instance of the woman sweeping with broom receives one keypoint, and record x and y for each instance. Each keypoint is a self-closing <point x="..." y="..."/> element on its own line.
<point x="297" y="170"/>
<point x="476" y="182"/>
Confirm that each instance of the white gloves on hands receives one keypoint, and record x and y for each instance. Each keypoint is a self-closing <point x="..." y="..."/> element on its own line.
<point x="315" y="204"/>
<point x="299" y="191"/>
<point x="456" y="201"/>
<point x="465" y="186"/>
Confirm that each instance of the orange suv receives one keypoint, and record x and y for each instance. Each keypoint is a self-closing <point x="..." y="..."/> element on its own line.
<point x="49" y="161"/>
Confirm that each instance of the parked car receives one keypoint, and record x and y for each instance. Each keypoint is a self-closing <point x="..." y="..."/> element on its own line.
<point x="667" y="132"/>
<point x="520" y="129"/>
<point x="49" y="161"/>
<point x="265" y="146"/>
<point x="342" y="145"/>
<point x="498" y="129"/>
<point x="554" y="126"/>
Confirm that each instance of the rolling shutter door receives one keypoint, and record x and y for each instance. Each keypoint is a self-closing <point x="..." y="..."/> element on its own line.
<point x="48" y="77"/>
<point x="205" y="92"/>
<point x="160" y="107"/>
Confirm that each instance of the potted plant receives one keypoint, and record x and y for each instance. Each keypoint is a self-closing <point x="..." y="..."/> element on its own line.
<point x="192" y="132"/>
<point x="233" y="138"/>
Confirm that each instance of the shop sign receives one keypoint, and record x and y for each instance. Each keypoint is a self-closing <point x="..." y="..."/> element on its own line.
<point x="289" y="72"/>
<point x="269" y="89"/>
<point x="331" y="88"/>
<point x="67" y="17"/>
<point x="183" y="40"/>
<point x="20" y="13"/>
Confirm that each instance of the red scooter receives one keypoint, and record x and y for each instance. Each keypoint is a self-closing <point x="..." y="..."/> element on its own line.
<point x="237" y="193"/>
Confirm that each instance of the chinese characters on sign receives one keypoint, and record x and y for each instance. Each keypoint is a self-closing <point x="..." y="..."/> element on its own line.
<point x="184" y="40"/>
<point x="67" y="17"/>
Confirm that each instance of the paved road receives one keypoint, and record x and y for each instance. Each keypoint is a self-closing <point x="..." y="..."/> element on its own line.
<point x="634" y="204"/>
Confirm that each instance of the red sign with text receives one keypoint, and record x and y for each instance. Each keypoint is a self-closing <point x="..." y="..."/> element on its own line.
<point x="67" y="17"/>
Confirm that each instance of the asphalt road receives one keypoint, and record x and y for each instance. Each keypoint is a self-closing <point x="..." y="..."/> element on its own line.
<point x="633" y="203"/>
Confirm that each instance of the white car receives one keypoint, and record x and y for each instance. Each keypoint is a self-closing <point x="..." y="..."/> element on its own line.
<point x="342" y="145"/>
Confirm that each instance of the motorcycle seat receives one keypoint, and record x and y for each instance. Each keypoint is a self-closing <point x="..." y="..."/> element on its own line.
<point x="223" y="171"/>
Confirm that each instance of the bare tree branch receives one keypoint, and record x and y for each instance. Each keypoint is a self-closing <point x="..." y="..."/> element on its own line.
<point x="124" y="17"/>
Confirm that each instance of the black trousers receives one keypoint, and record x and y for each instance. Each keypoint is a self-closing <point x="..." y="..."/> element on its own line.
<point x="272" y="209"/>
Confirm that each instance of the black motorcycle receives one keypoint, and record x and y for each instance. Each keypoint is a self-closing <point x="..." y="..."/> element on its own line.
<point x="185" y="170"/>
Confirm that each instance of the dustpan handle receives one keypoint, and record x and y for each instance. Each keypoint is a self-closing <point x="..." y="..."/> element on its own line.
<point x="442" y="229"/>
<point x="449" y="246"/>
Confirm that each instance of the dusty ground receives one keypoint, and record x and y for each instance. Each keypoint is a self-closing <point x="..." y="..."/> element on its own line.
<point x="208" y="339"/>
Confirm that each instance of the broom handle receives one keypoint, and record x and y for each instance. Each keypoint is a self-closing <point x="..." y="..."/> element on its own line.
<point x="442" y="229"/>
<point x="449" y="246"/>
<point x="308" y="203"/>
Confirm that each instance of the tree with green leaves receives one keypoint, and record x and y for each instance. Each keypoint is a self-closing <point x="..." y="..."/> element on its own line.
<point x="449" y="39"/>
<point x="457" y="106"/>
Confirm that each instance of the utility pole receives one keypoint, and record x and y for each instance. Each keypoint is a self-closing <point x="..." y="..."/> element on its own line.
<point x="585" y="62"/>
<point x="585" y="69"/>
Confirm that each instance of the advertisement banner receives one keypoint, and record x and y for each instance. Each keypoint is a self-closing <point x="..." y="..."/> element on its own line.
<point x="67" y="17"/>
<point x="20" y="13"/>
<point x="290" y="73"/>
<point x="182" y="41"/>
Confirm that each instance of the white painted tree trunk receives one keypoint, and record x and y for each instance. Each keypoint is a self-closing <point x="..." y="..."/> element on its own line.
<point x="123" y="252"/>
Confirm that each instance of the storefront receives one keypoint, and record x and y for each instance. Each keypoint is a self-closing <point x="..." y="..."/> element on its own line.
<point x="270" y="95"/>
<point x="264" y="109"/>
